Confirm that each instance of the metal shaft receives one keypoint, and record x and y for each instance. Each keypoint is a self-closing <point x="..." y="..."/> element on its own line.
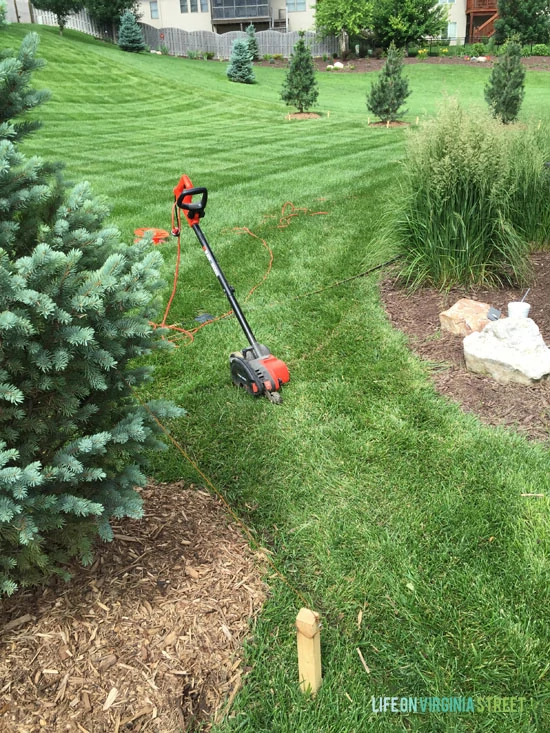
<point x="228" y="290"/>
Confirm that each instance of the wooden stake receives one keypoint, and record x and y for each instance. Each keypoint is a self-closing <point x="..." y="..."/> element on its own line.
<point x="309" y="650"/>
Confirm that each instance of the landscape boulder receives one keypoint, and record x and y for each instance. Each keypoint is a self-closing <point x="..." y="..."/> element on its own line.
<point x="464" y="317"/>
<point x="508" y="350"/>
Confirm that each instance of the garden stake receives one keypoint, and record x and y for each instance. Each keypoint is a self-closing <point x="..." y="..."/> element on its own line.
<point x="309" y="651"/>
<point x="254" y="368"/>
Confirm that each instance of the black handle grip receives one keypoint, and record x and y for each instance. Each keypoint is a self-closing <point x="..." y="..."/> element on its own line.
<point x="194" y="208"/>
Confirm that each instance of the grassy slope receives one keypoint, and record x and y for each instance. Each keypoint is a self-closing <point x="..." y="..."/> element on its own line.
<point x="374" y="493"/>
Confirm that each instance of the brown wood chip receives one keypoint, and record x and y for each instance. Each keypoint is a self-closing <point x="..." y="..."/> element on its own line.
<point x="158" y="617"/>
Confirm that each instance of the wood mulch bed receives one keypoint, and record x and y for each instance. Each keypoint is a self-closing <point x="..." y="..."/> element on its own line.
<point x="522" y="408"/>
<point x="147" y="638"/>
<point x="361" y="66"/>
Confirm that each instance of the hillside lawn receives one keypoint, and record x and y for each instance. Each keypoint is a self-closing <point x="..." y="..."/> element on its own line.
<point x="393" y="514"/>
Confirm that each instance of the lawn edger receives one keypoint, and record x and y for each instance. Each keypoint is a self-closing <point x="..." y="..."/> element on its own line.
<point x="254" y="368"/>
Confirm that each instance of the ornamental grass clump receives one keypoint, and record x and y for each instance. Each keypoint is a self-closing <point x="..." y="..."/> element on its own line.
<point x="457" y="192"/>
<point x="530" y="199"/>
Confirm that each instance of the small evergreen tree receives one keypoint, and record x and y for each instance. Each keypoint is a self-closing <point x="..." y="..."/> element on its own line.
<point x="300" y="86"/>
<point x="506" y="86"/>
<point x="389" y="92"/>
<point x="75" y="308"/>
<point x="61" y="8"/>
<point x="240" y="67"/>
<point x="3" y="13"/>
<point x="130" y="35"/>
<point x="253" y="42"/>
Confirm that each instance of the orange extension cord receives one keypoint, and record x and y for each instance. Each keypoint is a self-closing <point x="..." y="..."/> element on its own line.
<point x="288" y="212"/>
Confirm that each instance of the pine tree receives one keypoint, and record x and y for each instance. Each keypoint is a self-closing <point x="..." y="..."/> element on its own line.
<point x="300" y="87"/>
<point x="389" y="92"/>
<point x="253" y="42"/>
<point x="130" y="35"/>
<point x="75" y="308"/>
<point x="3" y="14"/>
<point x="506" y="86"/>
<point x="240" y="63"/>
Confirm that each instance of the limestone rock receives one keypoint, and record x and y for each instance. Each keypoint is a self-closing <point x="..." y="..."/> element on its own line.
<point x="465" y="317"/>
<point x="338" y="65"/>
<point x="508" y="350"/>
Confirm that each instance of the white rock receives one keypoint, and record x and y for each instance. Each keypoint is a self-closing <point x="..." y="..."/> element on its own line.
<point x="338" y="65"/>
<point x="509" y="350"/>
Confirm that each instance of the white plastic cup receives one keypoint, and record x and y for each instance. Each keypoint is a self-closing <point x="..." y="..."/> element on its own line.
<point x="518" y="309"/>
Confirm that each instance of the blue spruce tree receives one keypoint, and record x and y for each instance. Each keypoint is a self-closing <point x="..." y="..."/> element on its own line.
<point x="240" y="63"/>
<point x="75" y="308"/>
<point x="130" y="36"/>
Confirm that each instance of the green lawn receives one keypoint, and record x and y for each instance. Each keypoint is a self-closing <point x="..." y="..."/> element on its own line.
<point x="375" y="494"/>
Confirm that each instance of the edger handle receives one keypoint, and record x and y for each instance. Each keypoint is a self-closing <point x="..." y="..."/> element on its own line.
<point x="184" y="193"/>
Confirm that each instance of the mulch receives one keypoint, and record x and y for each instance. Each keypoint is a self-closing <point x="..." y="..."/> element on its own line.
<point x="522" y="408"/>
<point x="362" y="66"/>
<point x="147" y="638"/>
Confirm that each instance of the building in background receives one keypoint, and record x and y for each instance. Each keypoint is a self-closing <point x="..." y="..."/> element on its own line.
<point x="222" y="16"/>
<point x="468" y="19"/>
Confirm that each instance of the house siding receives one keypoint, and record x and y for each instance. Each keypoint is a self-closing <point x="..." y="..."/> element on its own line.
<point x="170" y="16"/>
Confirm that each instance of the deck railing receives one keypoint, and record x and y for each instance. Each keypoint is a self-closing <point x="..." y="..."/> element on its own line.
<point x="487" y="6"/>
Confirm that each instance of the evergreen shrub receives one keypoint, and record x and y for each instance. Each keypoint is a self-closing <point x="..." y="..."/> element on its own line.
<point x="3" y="13"/>
<point x="253" y="42"/>
<point x="130" y="35"/>
<point x="505" y="89"/>
<point x="240" y="67"/>
<point x="300" y="86"/>
<point x="387" y="95"/>
<point x="75" y="310"/>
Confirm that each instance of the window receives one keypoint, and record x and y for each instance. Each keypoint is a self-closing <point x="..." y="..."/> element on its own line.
<point x="194" y="6"/>
<point x="451" y="30"/>
<point x="183" y="6"/>
<point x="295" y="5"/>
<point x="204" y="6"/>
<point x="154" y="8"/>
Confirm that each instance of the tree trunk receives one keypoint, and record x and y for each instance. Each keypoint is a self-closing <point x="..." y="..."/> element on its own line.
<point x="343" y="41"/>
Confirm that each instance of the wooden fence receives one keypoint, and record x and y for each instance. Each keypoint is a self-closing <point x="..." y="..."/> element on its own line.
<point x="180" y="42"/>
<point x="78" y="21"/>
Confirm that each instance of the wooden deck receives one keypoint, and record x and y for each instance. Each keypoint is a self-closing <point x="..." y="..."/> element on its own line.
<point x="481" y="16"/>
